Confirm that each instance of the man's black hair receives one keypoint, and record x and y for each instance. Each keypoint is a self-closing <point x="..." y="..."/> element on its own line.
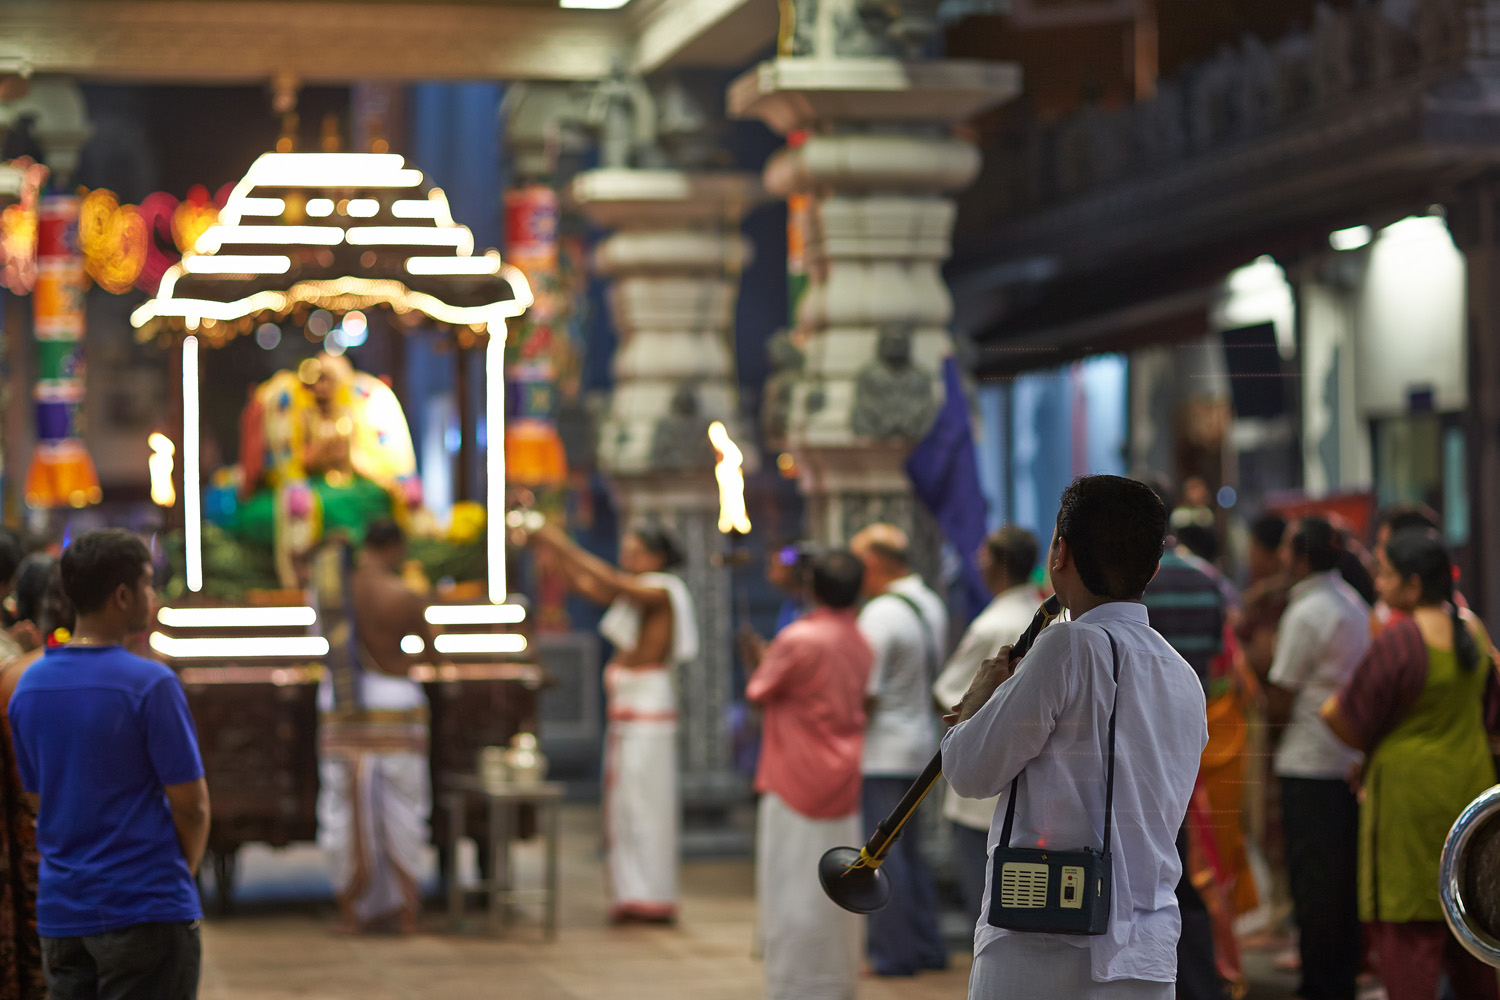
<point x="1116" y="529"/>
<point x="1402" y="516"/>
<point x="97" y="563"/>
<point x="836" y="578"/>
<point x="660" y="542"/>
<point x="892" y="554"/>
<point x="1316" y="539"/>
<point x="1269" y="530"/>
<point x="1013" y="549"/>
<point x="11" y="554"/>
<point x="383" y="533"/>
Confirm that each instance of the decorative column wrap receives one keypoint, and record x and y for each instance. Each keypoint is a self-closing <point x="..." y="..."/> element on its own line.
<point x="876" y="165"/>
<point x="675" y="256"/>
<point x="62" y="473"/>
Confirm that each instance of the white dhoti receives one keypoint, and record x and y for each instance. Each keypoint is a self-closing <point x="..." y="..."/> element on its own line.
<point x="375" y="794"/>
<point x="811" y="946"/>
<point x="640" y="793"/>
<point x="1024" y="966"/>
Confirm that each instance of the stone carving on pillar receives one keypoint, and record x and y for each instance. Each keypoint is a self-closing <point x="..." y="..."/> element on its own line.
<point x="674" y="256"/>
<point x="622" y="112"/>
<point x="878" y="166"/>
<point x="680" y="441"/>
<point x="893" y="400"/>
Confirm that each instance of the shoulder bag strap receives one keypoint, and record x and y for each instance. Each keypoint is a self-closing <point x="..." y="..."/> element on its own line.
<point x="1109" y="781"/>
<point x="930" y="646"/>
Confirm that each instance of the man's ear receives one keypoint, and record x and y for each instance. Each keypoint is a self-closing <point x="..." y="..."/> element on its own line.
<point x="1060" y="556"/>
<point x="121" y="596"/>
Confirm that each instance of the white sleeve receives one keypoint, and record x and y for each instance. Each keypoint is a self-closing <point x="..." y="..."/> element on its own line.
<point x="1297" y="647"/>
<point x="982" y="754"/>
<point x="974" y="648"/>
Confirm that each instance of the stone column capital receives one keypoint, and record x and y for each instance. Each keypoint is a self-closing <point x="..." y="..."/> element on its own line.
<point x="796" y="93"/>
<point x="664" y="199"/>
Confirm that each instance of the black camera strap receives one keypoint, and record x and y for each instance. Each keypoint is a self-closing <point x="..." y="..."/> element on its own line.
<point x="1109" y="785"/>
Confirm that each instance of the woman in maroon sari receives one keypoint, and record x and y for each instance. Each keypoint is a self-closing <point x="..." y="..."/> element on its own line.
<point x="39" y="599"/>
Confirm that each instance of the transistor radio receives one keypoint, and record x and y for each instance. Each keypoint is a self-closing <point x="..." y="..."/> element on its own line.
<point x="1056" y="892"/>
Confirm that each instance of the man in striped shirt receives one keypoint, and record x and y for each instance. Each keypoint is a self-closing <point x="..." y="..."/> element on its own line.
<point x="1187" y="605"/>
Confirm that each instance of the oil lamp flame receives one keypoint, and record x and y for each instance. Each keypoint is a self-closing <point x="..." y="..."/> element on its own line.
<point x="163" y="493"/>
<point x="732" y="513"/>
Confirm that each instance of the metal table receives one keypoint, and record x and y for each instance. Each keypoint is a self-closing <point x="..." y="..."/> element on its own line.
<point x="503" y="803"/>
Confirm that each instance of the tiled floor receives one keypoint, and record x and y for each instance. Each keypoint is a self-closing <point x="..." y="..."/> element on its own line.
<point x="276" y="949"/>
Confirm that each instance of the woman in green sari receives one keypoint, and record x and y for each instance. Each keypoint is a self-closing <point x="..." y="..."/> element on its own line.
<point x="1415" y="706"/>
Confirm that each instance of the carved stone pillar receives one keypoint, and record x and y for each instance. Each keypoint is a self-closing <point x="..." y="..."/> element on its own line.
<point x="674" y="256"/>
<point x="875" y="167"/>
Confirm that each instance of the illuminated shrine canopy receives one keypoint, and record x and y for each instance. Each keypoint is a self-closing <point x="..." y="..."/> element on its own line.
<point x="335" y="231"/>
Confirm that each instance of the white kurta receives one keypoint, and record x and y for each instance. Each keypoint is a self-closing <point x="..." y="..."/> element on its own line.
<point x="811" y="946"/>
<point x="641" y="816"/>
<point x="374" y="793"/>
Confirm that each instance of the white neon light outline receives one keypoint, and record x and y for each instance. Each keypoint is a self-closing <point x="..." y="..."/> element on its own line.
<point x="350" y="170"/>
<point x="443" y="264"/>
<point x="239" y="648"/>
<point x="262" y="206"/>
<point x="494" y="417"/>
<point x="480" y="642"/>
<point x="591" y="4"/>
<point x="412" y="645"/>
<point x="192" y="513"/>
<point x="292" y="616"/>
<point x="475" y="614"/>
<point x="416" y="208"/>
<point x="214" y="237"/>
<point x="226" y="263"/>
<point x="362" y="208"/>
<point x="320" y="208"/>
<point x="416" y="236"/>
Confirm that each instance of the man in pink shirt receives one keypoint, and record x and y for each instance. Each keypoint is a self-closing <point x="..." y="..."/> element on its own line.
<point x="810" y="683"/>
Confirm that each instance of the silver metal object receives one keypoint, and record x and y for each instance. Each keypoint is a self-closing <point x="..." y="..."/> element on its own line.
<point x="1469" y="882"/>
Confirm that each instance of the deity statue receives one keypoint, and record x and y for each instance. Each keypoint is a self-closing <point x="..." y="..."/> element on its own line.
<point x="893" y="398"/>
<point x="321" y="449"/>
<point x="680" y="440"/>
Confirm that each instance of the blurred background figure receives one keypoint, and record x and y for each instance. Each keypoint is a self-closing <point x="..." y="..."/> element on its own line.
<point x="810" y="683"/>
<point x="1322" y="637"/>
<point x="906" y="625"/>
<point x="1007" y="560"/>
<point x="1415" y="706"/>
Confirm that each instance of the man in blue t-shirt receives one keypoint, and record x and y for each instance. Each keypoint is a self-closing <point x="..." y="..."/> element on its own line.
<point x="105" y="740"/>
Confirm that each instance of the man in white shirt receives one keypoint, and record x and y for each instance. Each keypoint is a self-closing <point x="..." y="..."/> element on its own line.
<point x="1321" y="639"/>
<point x="906" y="625"/>
<point x="1039" y="731"/>
<point x="1006" y="559"/>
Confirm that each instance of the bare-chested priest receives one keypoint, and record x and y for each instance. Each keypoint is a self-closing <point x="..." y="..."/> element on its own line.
<point x="374" y="795"/>
<point x="652" y="626"/>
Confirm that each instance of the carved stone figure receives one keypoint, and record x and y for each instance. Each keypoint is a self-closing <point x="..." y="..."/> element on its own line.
<point x="786" y="367"/>
<point x="680" y="440"/>
<point x="622" y="113"/>
<point x="892" y="397"/>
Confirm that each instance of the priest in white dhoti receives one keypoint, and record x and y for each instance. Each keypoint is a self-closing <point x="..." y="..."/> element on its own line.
<point x="810" y="683"/>
<point x="374" y="793"/>
<point x="653" y="628"/>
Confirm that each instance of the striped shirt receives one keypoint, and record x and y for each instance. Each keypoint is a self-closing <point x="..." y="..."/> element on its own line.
<point x="1187" y="606"/>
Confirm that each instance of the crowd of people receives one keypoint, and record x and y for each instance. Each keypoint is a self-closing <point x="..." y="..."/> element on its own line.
<point x="1348" y="701"/>
<point x="1331" y="717"/>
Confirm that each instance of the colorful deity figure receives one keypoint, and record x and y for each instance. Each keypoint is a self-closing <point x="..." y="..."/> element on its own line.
<point x="322" y="449"/>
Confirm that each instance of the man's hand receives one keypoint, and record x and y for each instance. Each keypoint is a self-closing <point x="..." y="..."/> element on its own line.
<point x="992" y="673"/>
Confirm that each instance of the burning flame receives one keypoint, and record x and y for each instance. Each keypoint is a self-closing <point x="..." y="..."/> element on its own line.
<point x="163" y="494"/>
<point x="732" y="513"/>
